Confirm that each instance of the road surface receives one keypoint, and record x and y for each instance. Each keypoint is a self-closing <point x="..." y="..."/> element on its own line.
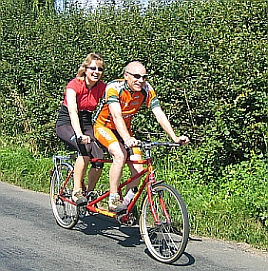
<point x="30" y="239"/>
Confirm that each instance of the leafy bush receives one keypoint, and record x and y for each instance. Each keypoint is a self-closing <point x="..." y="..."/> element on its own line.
<point x="206" y="59"/>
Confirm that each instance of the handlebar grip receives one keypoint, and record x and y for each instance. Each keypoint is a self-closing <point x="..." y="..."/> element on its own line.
<point x="173" y="144"/>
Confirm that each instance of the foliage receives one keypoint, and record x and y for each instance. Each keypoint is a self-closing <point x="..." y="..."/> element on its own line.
<point x="207" y="61"/>
<point x="19" y="167"/>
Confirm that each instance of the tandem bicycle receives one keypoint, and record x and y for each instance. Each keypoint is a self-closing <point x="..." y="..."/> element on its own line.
<point x="163" y="219"/>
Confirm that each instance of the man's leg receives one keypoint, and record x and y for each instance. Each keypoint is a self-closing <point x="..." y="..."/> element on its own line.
<point x="134" y="169"/>
<point x="119" y="154"/>
<point x="109" y="140"/>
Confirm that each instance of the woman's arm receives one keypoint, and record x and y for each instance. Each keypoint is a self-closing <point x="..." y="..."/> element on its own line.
<point x="73" y="113"/>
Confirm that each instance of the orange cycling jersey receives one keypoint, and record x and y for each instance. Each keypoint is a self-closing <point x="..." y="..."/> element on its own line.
<point x="130" y="102"/>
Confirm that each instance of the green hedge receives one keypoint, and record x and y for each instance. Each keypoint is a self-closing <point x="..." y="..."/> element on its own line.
<point x="206" y="59"/>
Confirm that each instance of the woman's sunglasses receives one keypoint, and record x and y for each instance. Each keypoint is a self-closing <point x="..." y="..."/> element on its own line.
<point x="95" y="68"/>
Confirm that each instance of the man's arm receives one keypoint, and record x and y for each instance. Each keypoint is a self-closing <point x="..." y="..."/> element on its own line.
<point x="116" y="112"/>
<point x="164" y="122"/>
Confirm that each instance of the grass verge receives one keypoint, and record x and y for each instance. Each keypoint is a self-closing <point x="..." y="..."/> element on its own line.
<point x="233" y="207"/>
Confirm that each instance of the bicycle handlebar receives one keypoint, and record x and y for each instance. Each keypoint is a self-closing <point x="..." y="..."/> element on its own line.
<point x="149" y="145"/>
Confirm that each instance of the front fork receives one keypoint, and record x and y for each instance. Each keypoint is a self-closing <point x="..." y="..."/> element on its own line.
<point x="150" y="192"/>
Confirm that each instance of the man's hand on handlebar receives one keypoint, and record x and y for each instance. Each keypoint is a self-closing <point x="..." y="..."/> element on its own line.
<point x="131" y="142"/>
<point x="183" y="140"/>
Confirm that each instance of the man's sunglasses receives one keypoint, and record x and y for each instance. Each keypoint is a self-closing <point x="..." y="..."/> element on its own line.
<point x="138" y="76"/>
<point x="95" y="68"/>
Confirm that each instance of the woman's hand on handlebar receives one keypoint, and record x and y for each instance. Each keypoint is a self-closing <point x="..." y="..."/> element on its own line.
<point x="83" y="139"/>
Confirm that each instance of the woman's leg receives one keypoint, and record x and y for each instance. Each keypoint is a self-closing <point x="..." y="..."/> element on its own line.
<point x="93" y="177"/>
<point x="66" y="134"/>
<point x="80" y="168"/>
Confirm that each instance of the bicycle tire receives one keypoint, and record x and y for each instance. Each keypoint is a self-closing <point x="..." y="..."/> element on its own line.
<point x="65" y="213"/>
<point x="166" y="242"/>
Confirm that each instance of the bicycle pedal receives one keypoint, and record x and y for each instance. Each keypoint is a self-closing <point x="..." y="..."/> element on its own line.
<point x="81" y="202"/>
<point x="81" y="211"/>
<point x="119" y="212"/>
<point x="92" y="195"/>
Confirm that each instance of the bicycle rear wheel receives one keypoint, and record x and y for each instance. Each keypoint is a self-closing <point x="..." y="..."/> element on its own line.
<point x="167" y="240"/>
<point x="64" y="211"/>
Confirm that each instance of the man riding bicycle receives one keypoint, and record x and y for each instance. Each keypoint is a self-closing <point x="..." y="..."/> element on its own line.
<point x="112" y="124"/>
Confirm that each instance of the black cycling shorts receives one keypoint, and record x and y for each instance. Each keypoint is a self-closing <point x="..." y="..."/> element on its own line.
<point x="93" y="150"/>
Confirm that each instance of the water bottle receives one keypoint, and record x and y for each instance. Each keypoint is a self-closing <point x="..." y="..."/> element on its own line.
<point x="129" y="196"/>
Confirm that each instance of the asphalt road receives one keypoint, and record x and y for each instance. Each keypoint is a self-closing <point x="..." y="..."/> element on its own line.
<point x="30" y="239"/>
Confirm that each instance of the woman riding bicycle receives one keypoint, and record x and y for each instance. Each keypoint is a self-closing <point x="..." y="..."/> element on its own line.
<point x="81" y="98"/>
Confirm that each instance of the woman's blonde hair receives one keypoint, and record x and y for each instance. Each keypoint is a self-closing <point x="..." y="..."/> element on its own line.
<point x="92" y="56"/>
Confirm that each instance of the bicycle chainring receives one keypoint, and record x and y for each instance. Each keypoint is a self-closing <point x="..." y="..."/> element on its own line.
<point x="126" y="219"/>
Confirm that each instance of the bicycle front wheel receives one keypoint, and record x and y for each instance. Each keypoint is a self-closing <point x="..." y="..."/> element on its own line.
<point x="61" y="187"/>
<point x="166" y="239"/>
